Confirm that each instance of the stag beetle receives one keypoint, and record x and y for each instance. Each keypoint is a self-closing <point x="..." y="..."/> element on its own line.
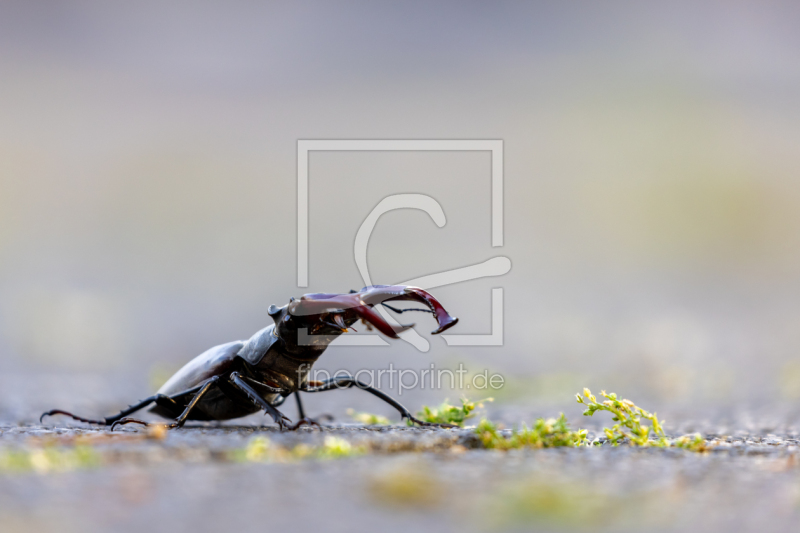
<point x="242" y="377"/>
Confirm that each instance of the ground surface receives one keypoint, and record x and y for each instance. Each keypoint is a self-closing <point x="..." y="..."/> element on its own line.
<point x="200" y="478"/>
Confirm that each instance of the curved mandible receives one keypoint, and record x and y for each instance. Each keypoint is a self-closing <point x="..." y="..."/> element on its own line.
<point x="390" y="203"/>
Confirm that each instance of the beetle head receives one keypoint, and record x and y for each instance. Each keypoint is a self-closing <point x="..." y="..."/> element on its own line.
<point x="309" y="334"/>
<point x="311" y="323"/>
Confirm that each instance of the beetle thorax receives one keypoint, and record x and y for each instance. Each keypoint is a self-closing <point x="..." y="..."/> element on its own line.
<point x="279" y="367"/>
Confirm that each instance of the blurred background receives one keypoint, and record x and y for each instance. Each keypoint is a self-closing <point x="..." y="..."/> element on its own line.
<point x="652" y="187"/>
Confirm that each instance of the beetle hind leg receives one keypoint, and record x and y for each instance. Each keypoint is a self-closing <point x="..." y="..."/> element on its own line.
<point x="74" y="417"/>
<point x="181" y="419"/>
<point x="167" y="402"/>
<point x="127" y="420"/>
<point x="160" y="399"/>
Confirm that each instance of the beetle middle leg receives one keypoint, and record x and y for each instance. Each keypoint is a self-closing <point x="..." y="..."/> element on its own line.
<point x="346" y="382"/>
<point x="305" y="420"/>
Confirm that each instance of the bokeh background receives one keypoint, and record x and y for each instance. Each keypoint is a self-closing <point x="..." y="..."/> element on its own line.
<point x="652" y="187"/>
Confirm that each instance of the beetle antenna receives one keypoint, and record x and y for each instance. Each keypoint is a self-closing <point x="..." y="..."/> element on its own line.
<point x="398" y="311"/>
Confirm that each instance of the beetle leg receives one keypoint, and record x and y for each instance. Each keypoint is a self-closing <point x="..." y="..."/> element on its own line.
<point x="346" y="382"/>
<point x="277" y="416"/>
<point x="127" y="420"/>
<point x="160" y="399"/>
<point x="429" y="424"/>
<point x="181" y="420"/>
<point x="300" y="411"/>
<point x="304" y="420"/>
<point x="74" y="417"/>
<point x="183" y="416"/>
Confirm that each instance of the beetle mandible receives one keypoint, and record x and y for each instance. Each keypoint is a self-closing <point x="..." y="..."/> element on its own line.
<point x="242" y="377"/>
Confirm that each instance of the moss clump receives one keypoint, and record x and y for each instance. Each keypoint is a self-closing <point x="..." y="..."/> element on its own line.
<point x="549" y="433"/>
<point x="337" y="448"/>
<point x="558" y="505"/>
<point x="47" y="459"/>
<point x="628" y="418"/>
<point x="410" y="486"/>
<point x="633" y="425"/>
<point x="368" y="419"/>
<point x="450" y="414"/>
<point x="693" y="443"/>
<point x="263" y="450"/>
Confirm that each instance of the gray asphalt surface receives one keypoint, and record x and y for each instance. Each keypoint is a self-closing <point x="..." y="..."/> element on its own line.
<point x="420" y="479"/>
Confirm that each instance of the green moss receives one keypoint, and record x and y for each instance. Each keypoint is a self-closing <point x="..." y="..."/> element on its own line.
<point x="337" y="448"/>
<point x="450" y="414"/>
<point x="368" y="419"/>
<point x="548" y="433"/>
<point x="553" y="504"/>
<point x="694" y="443"/>
<point x="411" y="487"/>
<point x="558" y="504"/>
<point x="47" y="459"/>
<point x="628" y="417"/>
<point x="263" y="450"/>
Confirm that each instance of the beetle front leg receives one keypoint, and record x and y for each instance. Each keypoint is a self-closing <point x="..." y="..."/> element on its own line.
<point x="346" y="382"/>
<point x="277" y="416"/>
